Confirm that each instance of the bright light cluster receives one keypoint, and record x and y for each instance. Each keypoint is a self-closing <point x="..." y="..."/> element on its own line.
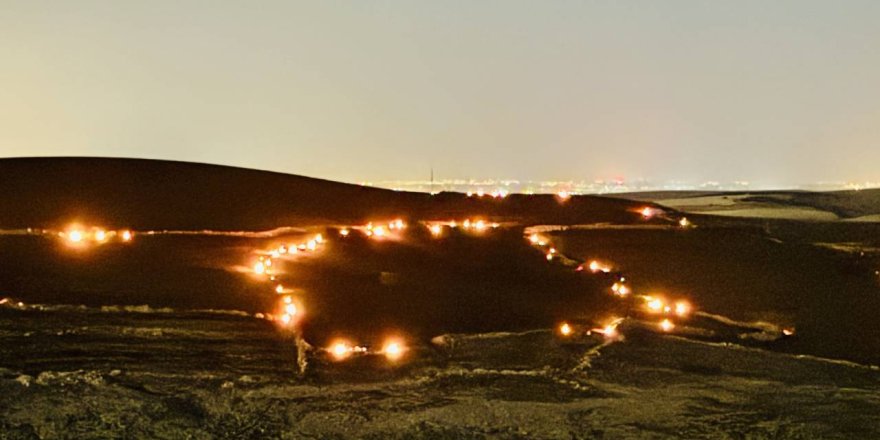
<point x="393" y="349"/>
<point x="76" y="235"/>
<point x="289" y="310"/>
<point x="651" y="304"/>
<point x="378" y="231"/>
<point x="596" y="267"/>
<point x="470" y="224"/>
<point x="657" y="305"/>
<point x="495" y="194"/>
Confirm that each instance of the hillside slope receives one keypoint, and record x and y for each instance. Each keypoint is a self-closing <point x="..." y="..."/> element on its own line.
<point x="151" y="194"/>
<point x="861" y="205"/>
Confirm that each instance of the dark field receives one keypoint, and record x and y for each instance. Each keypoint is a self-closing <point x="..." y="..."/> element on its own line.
<point x="86" y="374"/>
<point x="170" y="336"/>
<point x="830" y="297"/>
<point x="196" y="363"/>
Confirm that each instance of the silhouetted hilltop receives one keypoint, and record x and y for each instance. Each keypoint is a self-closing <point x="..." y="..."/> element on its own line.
<point x="153" y="194"/>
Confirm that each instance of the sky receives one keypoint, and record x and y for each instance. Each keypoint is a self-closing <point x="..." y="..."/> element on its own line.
<point x="773" y="92"/>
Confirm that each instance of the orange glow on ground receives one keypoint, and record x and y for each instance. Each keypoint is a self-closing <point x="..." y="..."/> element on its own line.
<point x="654" y="305"/>
<point x="682" y="308"/>
<point x="393" y="349"/>
<point x="291" y="309"/>
<point x="340" y="350"/>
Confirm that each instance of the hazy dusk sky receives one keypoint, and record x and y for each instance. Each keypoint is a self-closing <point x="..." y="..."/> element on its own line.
<point x="775" y="92"/>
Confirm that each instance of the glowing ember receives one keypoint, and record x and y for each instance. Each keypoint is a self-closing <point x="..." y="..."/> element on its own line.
<point x="788" y="331"/>
<point x="344" y="232"/>
<point x="610" y="330"/>
<point x="563" y="195"/>
<point x="340" y="350"/>
<point x="436" y="229"/>
<point x="682" y="308"/>
<point x="291" y="309"/>
<point x="549" y="257"/>
<point x="126" y="235"/>
<point x="666" y="325"/>
<point x="480" y="225"/>
<point x="393" y="350"/>
<point x="285" y="319"/>
<point x="279" y="289"/>
<point x="379" y="231"/>
<point x="594" y="266"/>
<point x="565" y="329"/>
<point x="684" y="222"/>
<point x="623" y="291"/>
<point x="75" y="236"/>
<point x="100" y="235"/>
<point x="647" y="212"/>
<point x="312" y="245"/>
<point x="399" y="224"/>
<point x="655" y="305"/>
<point x="319" y="238"/>
<point x="288" y="300"/>
<point x="259" y="268"/>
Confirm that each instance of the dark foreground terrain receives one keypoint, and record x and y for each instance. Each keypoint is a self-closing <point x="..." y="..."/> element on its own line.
<point x="148" y="374"/>
<point x="168" y="336"/>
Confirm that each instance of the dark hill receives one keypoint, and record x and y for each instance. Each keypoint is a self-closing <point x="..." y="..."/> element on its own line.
<point x="846" y="204"/>
<point x="152" y="194"/>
